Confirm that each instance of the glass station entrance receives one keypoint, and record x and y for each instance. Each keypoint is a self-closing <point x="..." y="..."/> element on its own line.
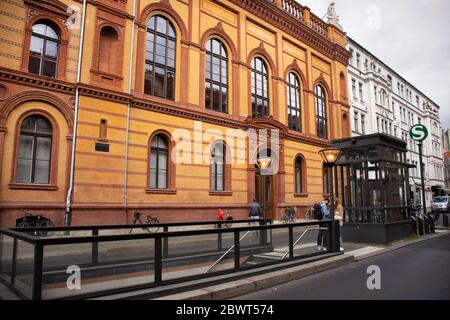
<point x="373" y="182"/>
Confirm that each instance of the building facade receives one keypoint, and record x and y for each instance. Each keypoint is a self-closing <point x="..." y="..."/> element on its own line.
<point x="97" y="96"/>
<point x="384" y="102"/>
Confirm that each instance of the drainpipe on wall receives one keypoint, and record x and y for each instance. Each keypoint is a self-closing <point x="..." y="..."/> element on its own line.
<point x="130" y="78"/>
<point x="68" y="213"/>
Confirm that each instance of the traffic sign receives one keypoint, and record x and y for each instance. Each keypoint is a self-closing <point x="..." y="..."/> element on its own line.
<point x="419" y="133"/>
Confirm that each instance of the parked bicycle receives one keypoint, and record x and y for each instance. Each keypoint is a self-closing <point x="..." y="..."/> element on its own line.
<point x="30" y="221"/>
<point x="290" y="215"/>
<point x="140" y="218"/>
<point x="225" y="216"/>
<point x="310" y="214"/>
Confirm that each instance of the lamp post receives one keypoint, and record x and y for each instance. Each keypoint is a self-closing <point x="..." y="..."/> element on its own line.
<point x="330" y="157"/>
<point x="264" y="164"/>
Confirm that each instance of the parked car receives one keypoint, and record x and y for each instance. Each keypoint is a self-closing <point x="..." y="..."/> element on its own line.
<point x="441" y="204"/>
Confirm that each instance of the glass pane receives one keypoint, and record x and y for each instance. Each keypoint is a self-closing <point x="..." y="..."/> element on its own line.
<point x="162" y="179"/>
<point x="153" y="178"/>
<point x="153" y="159"/>
<point x="171" y="31"/>
<point x="26" y="147"/>
<point x="24" y="171"/>
<point x="161" y="24"/>
<point x="51" y="50"/>
<point x="39" y="28"/>
<point x="34" y="65"/>
<point x="51" y="33"/>
<point x="151" y="23"/>
<point x="43" y="126"/>
<point x="162" y="160"/>
<point x="37" y="45"/>
<point x="49" y="68"/>
<point x="42" y="171"/>
<point x="43" y="148"/>
<point x="216" y="47"/>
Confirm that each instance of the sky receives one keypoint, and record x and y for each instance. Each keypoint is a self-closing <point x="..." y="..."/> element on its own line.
<point x="410" y="36"/>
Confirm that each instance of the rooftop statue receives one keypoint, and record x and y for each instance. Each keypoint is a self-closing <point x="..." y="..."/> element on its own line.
<point x="332" y="16"/>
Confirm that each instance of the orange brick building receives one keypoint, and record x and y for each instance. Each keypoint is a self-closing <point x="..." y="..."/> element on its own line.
<point x="149" y="69"/>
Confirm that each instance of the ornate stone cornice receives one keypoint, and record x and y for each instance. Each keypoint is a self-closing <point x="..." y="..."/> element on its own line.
<point x="296" y="28"/>
<point x="25" y="78"/>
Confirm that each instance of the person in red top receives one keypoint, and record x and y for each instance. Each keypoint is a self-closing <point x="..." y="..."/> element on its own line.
<point x="220" y="214"/>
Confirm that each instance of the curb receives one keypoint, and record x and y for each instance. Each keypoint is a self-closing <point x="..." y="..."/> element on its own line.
<point x="259" y="282"/>
<point x="402" y="245"/>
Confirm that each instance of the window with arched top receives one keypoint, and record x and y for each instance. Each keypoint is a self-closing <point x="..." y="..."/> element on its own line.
<point x="299" y="176"/>
<point x="321" y="112"/>
<point x="216" y="77"/>
<point x="260" y="88"/>
<point x="294" y="102"/>
<point x="218" y="156"/>
<point x="159" y="162"/>
<point x="343" y="87"/>
<point x="108" y="45"/>
<point x="160" y="58"/>
<point x="44" y="48"/>
<point x="35" y="149"/>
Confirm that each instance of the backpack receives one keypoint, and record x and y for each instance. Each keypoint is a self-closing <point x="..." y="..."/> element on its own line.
<point x="317" y="212"/>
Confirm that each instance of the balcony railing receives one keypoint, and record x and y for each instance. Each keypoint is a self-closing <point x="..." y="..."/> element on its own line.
<point x="302" y="14"/>
<point x="293" y="8"/>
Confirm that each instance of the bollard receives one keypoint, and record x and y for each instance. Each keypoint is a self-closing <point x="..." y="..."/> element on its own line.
<point x="414" y="225"/>
<point x="432" y="223"/>
<point x="420" y="225"/>
<point x="426" y="224"/>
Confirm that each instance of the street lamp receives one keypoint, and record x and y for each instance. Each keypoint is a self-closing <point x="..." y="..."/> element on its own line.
<point x="330" y="157"/>
<point x="264" y="164"/>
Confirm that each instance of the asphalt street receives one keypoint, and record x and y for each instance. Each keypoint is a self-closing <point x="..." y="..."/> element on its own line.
<point x="420" y="271"/>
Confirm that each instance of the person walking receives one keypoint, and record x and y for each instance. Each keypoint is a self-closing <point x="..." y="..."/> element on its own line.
<point x="255" y="212"/>
<point x="323" y="234"/>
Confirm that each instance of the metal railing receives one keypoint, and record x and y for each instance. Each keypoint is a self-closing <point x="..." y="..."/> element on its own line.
<point x="35" y="267"/>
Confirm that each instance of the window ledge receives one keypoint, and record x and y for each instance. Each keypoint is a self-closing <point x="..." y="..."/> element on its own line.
<point x="161" y="191"/>
<point x="301" y="195"/>
<point x="221" y="193"/>
<point x="30" y="186"/>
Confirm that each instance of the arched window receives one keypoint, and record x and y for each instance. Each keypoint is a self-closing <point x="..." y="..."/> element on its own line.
<point x="218" y="167"/>
<point x="160" y="58"/>
<point x="321" y="112"/>
<point x="35" y="146"/>
<point x="216" y="81"/>
<point x="299" y="175"/>
<point x="159" y="162"/>
<point x="260" y="89"/>
<point x="343" y="87"/>
<point x="293" y="101"/>
<point x="44" y="49"/>
<point x="108" y="44"/>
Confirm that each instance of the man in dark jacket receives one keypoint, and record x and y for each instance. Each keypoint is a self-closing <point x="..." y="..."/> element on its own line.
<point x="255" y="212"/>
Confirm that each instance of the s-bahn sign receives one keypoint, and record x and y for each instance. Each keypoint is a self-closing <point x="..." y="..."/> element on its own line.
<point x="419" y="133"/>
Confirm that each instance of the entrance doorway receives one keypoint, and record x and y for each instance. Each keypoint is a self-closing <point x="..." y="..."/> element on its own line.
<point x="264" y="184"/>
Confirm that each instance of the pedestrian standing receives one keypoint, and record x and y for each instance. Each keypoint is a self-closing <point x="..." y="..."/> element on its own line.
<point x="322" y="239"/>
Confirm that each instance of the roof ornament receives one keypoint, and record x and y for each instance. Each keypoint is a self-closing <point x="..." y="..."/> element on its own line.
<point x="332" y="16"/>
